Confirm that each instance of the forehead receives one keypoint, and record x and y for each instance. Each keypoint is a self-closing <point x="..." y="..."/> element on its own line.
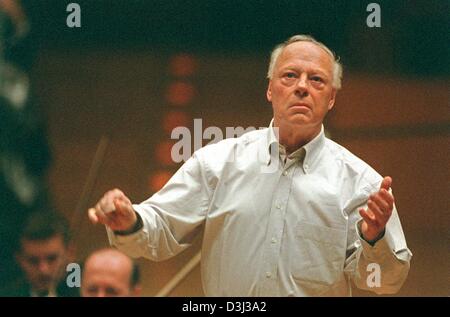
<point x="105" y="277"/>
<point x="117" y="267"/>
<point x="42" y="247"/>
<point x="305" y="54"/>
<point x="115" y="277"/>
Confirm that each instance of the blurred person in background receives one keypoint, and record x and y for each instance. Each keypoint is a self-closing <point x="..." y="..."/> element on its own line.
<point x="110" y="273"/>
<point x="43" y="252"/>
<point x="24" y="150"/>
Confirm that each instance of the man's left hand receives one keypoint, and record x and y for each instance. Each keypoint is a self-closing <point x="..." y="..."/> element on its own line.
<point x="378" y="212"/>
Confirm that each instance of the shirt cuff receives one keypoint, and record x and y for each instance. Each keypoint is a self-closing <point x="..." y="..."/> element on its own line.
<point x="381" y="247"/>
<point x="120" y="239"/>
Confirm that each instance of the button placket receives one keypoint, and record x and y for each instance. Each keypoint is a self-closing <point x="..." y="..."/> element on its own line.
<point x="275" y="231"/>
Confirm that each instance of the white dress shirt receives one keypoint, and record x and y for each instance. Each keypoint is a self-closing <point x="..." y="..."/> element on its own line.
<point x="271" y="226"/>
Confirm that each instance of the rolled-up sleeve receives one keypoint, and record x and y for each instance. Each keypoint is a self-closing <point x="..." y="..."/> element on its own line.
<point x="383" y="267"/>
<point x="171" y="218"/>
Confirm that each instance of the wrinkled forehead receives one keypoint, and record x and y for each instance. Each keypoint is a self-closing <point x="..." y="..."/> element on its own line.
<point x="308" y="52"/>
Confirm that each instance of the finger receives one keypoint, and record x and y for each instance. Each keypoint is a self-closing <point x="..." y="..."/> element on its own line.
<point x="368" y="217"/>
<point x="106" y="204"/>
<point x="102" y="218"/>
<point x="379" y="216"/>
<point x="126" y="199"/>
<point x="386" y="183"/>
<point x="380" y="202"/>
<point x="92" y="217"/>
<point x="121" y="206"/>
<point x="120" y="197"/>
<point x="101" y="207"/>
<point x="387" y="197"/>
<point x="115" y="193"/>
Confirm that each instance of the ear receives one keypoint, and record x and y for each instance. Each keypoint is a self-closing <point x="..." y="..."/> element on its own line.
<point x="332" y="99"/>
<point x="269" y="91"/>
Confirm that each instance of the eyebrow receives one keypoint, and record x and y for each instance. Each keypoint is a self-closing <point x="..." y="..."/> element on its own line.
<point x="296" y="68"/>
<point x="45" y="256"/>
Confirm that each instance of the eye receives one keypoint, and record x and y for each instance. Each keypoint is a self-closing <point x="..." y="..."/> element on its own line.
<point x="317" y="79"/>
<point x="290" y="75"/>
<point x="110" y="291"/>
<point x="52" y="258"/>
<point x="92" y="290"/>
<point x="33" y="260"/>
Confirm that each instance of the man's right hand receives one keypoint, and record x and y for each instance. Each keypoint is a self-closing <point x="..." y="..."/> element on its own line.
<point x="114" y="210"/>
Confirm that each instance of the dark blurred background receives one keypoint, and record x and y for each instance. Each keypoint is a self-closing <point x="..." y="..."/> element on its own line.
<point x="413" y="38"/>
<point x="134" y="70"/>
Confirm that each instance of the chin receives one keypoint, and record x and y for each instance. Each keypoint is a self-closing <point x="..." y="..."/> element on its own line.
<point x="299" y="119"/>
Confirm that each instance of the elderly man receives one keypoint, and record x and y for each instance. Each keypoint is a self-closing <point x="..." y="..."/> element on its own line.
<point x="285" y="211"/>
<point x="110" y="273"/>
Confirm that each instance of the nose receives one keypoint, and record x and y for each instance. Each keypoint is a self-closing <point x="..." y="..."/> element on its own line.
<point x="302" y="85"/>
<point x="44" y="267"/>
<point x="100" y="293"/>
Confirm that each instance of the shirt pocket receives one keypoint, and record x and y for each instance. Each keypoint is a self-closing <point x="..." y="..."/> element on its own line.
<point x="318" y="257"/>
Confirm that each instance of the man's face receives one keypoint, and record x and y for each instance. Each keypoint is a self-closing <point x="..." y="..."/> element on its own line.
<point x="106" y="278"/>
<point x="301" y="89"/>
<point x="43" y="261"/>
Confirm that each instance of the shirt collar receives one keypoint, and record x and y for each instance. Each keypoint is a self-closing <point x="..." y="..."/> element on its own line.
<point x="312" y="149"/>
<point x="272" y="137"/>
<point x="271" y="147"/>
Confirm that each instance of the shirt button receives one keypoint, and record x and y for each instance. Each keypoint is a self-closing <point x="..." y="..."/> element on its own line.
<point x="274" y="240"/>
<point x="268" y="274"/>
<point x="285" y="173"/>
<point x="278" y="206"/>
<point x="306" y="166"/>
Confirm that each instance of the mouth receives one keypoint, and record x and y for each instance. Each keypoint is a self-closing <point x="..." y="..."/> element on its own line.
<point x="300" y="106"/>
<point x="44" y="281"/>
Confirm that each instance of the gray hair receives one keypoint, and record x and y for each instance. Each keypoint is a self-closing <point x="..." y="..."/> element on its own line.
<point x="337" y="67"/>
